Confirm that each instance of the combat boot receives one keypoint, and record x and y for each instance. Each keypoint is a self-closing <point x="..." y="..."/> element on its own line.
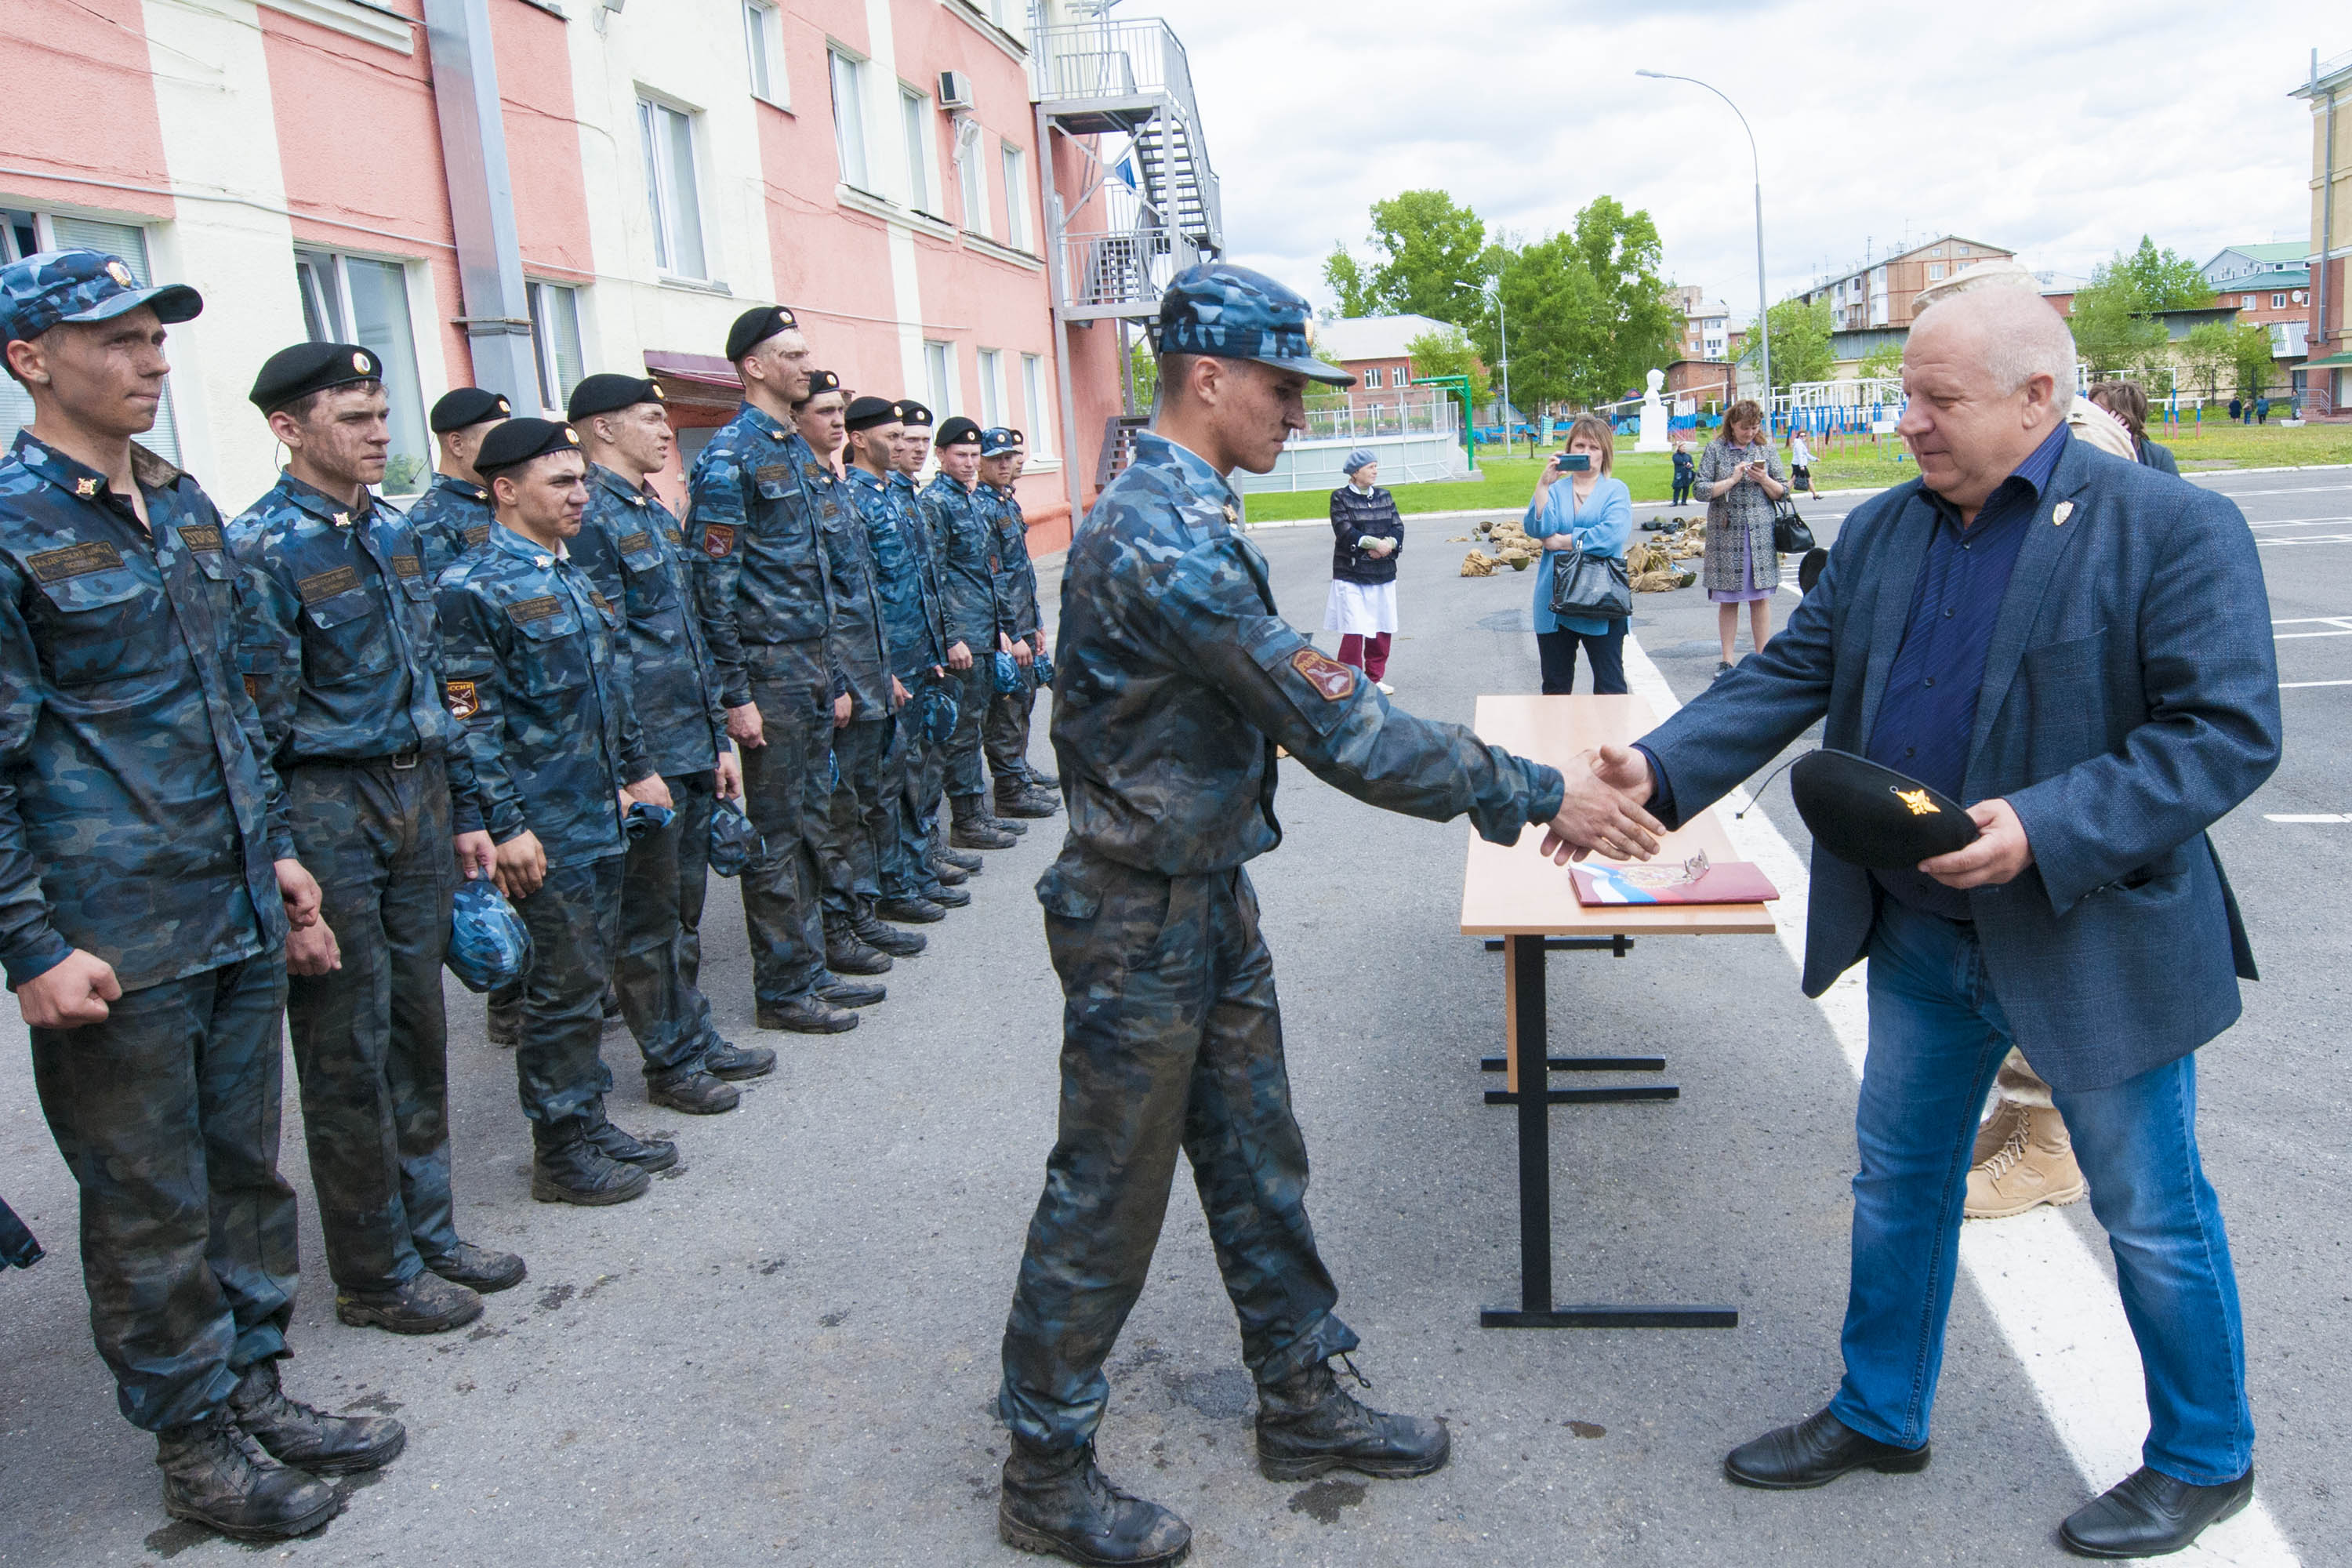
<point x="427" y="1304"/>
<point x="478" y="1268"/>
<point x="1020" y="800"/>
<point x="502" y="1024"/>
<point x="946" y="874"/>
<point x="1059" y="1502"/>
<point x="693" y="1091"/>
<point x="1049" y="783"/>
<point x="910" y="912"/>
<point x="1307" y="1425"/>
<point x="296" y="1433"/>
<point x="733" y="1062"/>
<point x="887" y="938"/>
<point x="2035" y="1165"/>
<point x="851" y="993"/>
<point x="216" y="1475"/>
<point x="947" y="897"/>
<point x="963" y="860"/>
<point x="566" y="1168"/>
<point x="644" y="1154"/>
<point x="844" y="954"/>
<point x="806" y="1015"/>
<point x="972" y="828"/>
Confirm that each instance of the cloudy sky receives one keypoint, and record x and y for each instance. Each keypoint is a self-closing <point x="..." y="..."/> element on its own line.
<point x="2059" y="128"/>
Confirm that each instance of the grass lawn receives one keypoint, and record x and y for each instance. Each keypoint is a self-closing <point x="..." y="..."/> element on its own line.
<point x="1854" y="464"/>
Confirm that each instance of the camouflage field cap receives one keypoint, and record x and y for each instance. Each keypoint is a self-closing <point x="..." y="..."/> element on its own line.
<point x="1231" y="312"/>
<point x="999" y="441"/>
<point x="56" y="285"/>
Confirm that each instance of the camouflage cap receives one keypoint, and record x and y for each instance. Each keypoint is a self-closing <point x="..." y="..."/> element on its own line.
<point x="998" y="441"/>
<point x="56" y="285"/>
<point x="1231" y="312"/>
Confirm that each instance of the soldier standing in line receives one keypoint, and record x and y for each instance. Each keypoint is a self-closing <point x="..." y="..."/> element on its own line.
<point x="538" y="680"/>
<point x="916" y="640"/>
<point x="765" y="604"/>
<point x="1178" y="680"/>
<point x="630" y="547"/>
<point x="963" y="546"/>
<point x="1021" y="790"/>
<point x="342" y="656"/>
<point x="949" y="864"/>
<point x="147" y="883"/>
<point x="453" y="515"/>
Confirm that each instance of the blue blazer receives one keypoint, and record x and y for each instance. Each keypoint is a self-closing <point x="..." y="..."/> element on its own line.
<point x="2130" y="699"/>
<point x="1603" y="526"/>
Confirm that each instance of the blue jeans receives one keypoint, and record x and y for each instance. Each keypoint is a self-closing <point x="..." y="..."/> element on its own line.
<point x="1936" y="1038"/>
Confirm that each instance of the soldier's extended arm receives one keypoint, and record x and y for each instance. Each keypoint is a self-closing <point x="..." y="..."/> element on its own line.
<point x="1332" y="718"/>
<point x="473" y="642"/>
<point x="715" y="525"/>
<point x="29" y="945"/>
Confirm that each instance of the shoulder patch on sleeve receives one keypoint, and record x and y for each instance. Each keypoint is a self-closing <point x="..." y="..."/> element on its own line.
<point x="463" y="701"/>
<point x="718" y="540"/>
<point x="477" y="535"/>
<point x="1331" y="679"/>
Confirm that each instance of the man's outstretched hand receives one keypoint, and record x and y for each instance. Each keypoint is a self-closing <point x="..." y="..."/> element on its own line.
<point x="1601" y="808"/>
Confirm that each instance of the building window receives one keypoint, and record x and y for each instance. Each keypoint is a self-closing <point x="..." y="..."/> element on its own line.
<point x="969" y="177"/>
<point x="763" y="43"/>
<point x="849" y="119"/>
<point x="1963" y="250"/>
<point x="2278" y="302"/>
<point x="359" y="299"/>
<point x="555" y="342"/>
<point x="938" y="371"/>
<point x="1935" y="271"/>
<point x="991" y="387"/>
<point x="2246" y="301"/>
<point x="1937" y="252"/>
<point x="915" y="112"/>
<point x="1372" y="378"/>
<point x="1016" y="197"/>
<point x="24" y="234"/>
<point x="1037" y="404"/>
<point x="671" y="189"/>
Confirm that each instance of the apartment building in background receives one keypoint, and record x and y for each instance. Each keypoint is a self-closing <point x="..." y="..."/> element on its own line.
<point x="1878" y="295"/>
<point x="515" y="193"/>
<point x="2323" y="384"/>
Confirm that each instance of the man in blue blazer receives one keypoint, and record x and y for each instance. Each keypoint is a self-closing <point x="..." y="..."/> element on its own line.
<point x="2066" y="641"/>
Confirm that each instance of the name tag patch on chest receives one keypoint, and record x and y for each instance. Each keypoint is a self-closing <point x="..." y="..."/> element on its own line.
<point x="523" y="612"/>
<point x="477" y="535"/>
<point x="1331" y="679"/>
<point x="771" y="473"/>
<point x="201" y="535"/>
<point x="407" y="566"/>
<point x="718" y="540"/>
<point x="327" y="584"/>
<point x="74" y="561"/>
<point x="638" y="540"/>
<point x="596" y="597"/>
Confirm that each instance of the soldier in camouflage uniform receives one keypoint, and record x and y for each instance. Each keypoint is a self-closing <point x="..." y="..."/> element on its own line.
<point x="1177" y="682"/>
<point x="343" y="657"/>
<point x="1021" y="790"/>
<point x="630" y="549"/>
<point x="765" y="603"/>
<point x="147" y="883"/>
<point x="538" y="680"/>
<point x="951" y="865"/>
<point x="453" y="515"/>
<point x="963" y="548"/>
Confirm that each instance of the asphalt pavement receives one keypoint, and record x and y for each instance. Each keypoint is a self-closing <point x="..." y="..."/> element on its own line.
<point x="787" y="1352"/>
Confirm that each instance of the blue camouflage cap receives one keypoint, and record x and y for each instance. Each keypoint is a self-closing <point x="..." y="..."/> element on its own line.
<point x="1231" y="312"/>
<point x="998" y="440"/>
<point x="56" y="285"/>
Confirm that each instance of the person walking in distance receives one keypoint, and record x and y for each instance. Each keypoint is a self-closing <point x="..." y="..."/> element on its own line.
<point x="1367" y="533"/>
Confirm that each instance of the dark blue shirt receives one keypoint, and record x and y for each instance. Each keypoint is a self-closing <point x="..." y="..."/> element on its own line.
<point x="1929" y="710"/>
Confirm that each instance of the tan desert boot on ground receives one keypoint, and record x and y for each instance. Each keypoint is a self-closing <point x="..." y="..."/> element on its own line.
<point x="2034" y="1165"/>
<point x="1994" y="1131"/>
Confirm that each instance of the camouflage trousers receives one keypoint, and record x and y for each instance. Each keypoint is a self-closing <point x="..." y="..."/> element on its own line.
<point x="1005" y="734"/>
<point x="915" y="769"/>
<point x="787" y="794"/>
<point x="574" y="921"/>
<point x="974" y="689"/>
<point x="167" y="1115"/>
<point x="1171" y="1039"/>
<point x="858" y="831"/>
<point x="371" y="1043"/>
<point x="662" y="876"/>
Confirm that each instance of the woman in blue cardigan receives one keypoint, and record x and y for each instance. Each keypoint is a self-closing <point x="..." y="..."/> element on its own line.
<point x="1592" y="513"/>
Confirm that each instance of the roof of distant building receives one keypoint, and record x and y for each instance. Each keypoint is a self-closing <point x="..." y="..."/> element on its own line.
<point x="1371" y="337"/>
<point x="2053" y="282"/>
<point x="2280" y="278"/>
<point x="2279" y="252"/>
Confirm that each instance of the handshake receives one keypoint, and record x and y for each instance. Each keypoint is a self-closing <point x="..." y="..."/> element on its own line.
<point x="1601" y="808"/>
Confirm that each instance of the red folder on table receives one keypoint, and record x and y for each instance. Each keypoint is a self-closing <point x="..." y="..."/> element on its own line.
<point x="1724" y="882"/>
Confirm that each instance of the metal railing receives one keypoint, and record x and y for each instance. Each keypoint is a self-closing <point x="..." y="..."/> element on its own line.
<point x="1112" y="60"/>
<point x="1131" y="268"/>
<point x="1338" y="416"/>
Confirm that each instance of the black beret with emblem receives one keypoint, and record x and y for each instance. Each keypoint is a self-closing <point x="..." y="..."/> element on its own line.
<point x="820" y="383"/>
<point x="291" y="375"/>
<point x="958" y="432"/>
<point x="520" y="440"/>
<point x="756" y="326"/>
<point x="1873" y="817"/>
<point x="606" y="392"/>
<point x="868" y="412"/>
<point x="913" y="412"/>
<point x="465" y="406"/>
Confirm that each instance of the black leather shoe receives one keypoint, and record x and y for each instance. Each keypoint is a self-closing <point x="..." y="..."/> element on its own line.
<point x="735" y="1063"/>
<point x="427" y="1304"/>
<point x="647" y="1154"/>
<point x="1059" y="1504"/>
<point x="910" y="912"/>
<point x="963" y="860"/>
<point x="852" y="993"/>
<point x="478" y="1268"/>
<point x="947" y="895"/>
<point x="217" y="1475"/>
<point x="845" y="955"/>
<point x="888" y="939"/>
<point x="806" y="1016"/>
<point x="1308" y="1425"/>
<point x="2147" y="1514"/>
<point x="566" y="1168"/>
<point x="1813" y="1453"/>
<point x="694" y="1092"/>
<point x="293" y="1433"/>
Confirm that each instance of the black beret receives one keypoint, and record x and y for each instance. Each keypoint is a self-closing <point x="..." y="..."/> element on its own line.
<point x="957" y="432"/>
<point x="520" y="440"/>
<point x="1809" y="569"/>
<point x="820" y="383"/>
<point x="756" y="326"/>
<point x="293" y="373"/>
<point x="868" y="412"/>
<point x="1873" y="817"/>
<point x="605" y="393"/>
<point x="913" y="412"/>
<point x="466" y="405"/>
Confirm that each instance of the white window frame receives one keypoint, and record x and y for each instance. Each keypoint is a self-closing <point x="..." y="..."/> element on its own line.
<point x="2278" y="302"/>
<point x="922" y="150"/>
<point x="1372" y="378"/>
<point x="326" y="297"/>
<point x="1037" y="405"/>
<point x="163" y="437"/>
<point x="554" y="311"/>
<point x="662" y="198"/>
<point x="989" y="364"/>
<point x="1935" y="272"/>
<point x="1015" y="161"/>
<point x="972" y="179"/>
<point x="764" y="50"/>
<point x="940" y="371"/>
<point x="853" y="147"/>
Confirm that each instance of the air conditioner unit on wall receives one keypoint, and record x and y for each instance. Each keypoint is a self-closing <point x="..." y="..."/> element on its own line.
<point x="955" y="90"/>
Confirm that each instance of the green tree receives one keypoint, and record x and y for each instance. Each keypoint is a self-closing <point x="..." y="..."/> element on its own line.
<point x="1422" y="241"/>
<point x="2114" y="320"/>
<point x="1589" y="315"/>
<point x="1801" y="342"/>
<point x="1445" y="352"/>
<point x="1146" y="366"/>
<point x="1345" y="275"/>
<point x="2159" y="280"/>
<point x="2249" y="357"/>
<point x="2205" y="357"/>
<point x="1883" y="361"/>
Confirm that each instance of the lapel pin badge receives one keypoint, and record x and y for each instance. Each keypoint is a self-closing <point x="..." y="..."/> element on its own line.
<point x="2061" y="512"/>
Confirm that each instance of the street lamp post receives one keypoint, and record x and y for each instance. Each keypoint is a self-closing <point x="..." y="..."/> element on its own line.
<point x="1503" y="329"/>
<point x="1763" y="298"/>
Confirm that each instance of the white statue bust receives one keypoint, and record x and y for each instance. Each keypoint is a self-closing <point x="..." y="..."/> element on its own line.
<point x="1657" y="382"/>
<point x="1654" y="416"/>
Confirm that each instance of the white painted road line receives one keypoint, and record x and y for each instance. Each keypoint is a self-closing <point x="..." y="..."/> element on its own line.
<point x="2304" y="817"/>
<point x="2341" y="626"/>
<point x="2053" y="1303"/>
<point x="2299" y="685"/>
<point x="2300" y="522"/>
<point x="2306" y="538"/>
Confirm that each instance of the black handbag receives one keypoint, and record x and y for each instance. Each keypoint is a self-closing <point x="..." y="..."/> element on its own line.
<point x="1789" y="534"/>
<point x="1591" y="586"/>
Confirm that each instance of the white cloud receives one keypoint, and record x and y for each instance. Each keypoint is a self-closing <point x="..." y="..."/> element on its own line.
<point x="2063" y="131"/>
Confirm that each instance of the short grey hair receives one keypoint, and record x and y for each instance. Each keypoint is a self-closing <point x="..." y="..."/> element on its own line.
<point x="2019" y="334"/>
